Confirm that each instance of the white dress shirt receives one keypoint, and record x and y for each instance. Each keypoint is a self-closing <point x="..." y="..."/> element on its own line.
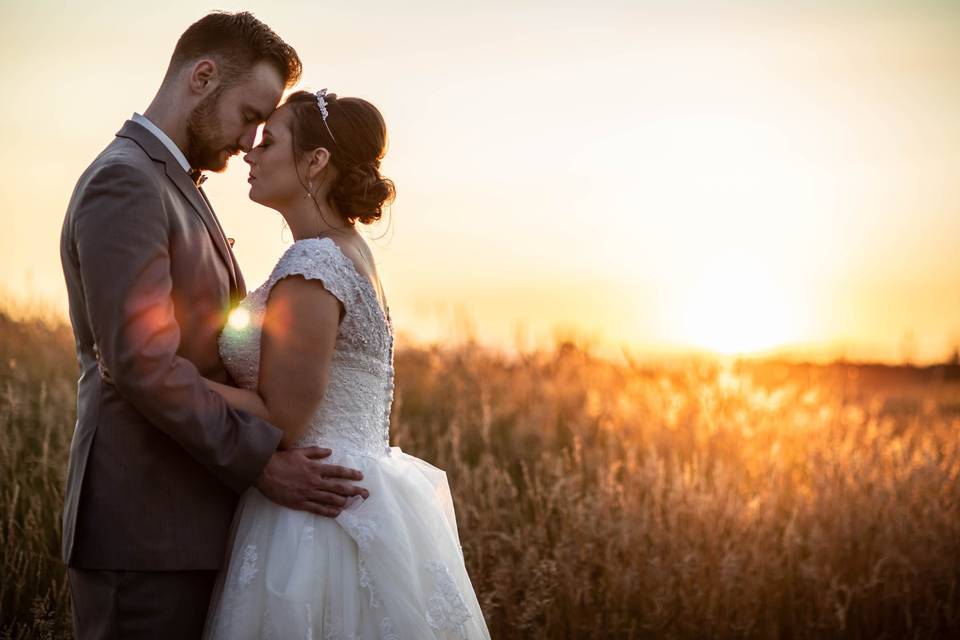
<point x="164" y="138"/>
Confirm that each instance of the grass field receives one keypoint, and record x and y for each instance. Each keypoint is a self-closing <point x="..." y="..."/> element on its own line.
<point x="609" y="500"/>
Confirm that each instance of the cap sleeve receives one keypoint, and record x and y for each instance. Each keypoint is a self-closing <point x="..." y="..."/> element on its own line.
<point x="316" y="259"/>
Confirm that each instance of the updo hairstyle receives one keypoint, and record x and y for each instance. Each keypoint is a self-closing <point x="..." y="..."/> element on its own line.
<point x="356" y="147"/>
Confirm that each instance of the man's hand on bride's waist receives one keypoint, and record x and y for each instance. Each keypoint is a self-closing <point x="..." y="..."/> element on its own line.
<point x="297" y="479"/>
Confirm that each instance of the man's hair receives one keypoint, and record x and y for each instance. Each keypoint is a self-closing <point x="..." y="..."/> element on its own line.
<point x="237" y="42"/>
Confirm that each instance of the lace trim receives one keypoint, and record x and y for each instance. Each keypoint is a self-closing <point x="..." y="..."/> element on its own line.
<point x="386" y="630"/>
<point x="266" y="625"/>
<point x="363" y="533"/>
<point x="367" y="583"/>
<point x="333" y="630"/>
<point x="446" y="609"/>
<point x="248" y="566"/>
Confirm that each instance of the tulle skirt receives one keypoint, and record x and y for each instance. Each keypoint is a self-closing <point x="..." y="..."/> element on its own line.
<point x="387" y="567"/>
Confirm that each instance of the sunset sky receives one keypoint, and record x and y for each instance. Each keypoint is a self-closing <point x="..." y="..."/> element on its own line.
<point x="734" y="176"/>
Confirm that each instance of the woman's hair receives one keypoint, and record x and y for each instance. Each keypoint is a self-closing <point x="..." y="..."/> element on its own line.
<point x="357" y="143"/>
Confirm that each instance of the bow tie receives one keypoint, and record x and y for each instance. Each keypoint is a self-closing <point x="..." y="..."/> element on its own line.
<point x="197" y="176"/>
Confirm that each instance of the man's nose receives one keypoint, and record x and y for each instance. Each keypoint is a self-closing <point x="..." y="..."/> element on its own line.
<point x="247" y="139"/>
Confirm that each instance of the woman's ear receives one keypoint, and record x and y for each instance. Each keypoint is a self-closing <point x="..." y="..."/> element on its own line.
<point x="317" y="161"/>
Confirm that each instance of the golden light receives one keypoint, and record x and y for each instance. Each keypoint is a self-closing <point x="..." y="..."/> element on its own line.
<point x="818" y="144"/>
<point x="737" y="307"/>
<point x="239" y="318"/>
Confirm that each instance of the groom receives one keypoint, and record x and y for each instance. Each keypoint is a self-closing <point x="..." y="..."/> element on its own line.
<point x="158" y="461"/>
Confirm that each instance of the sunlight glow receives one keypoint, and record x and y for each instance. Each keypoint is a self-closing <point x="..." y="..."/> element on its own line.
<point x="738" y="307"/>
<point x="747" y="177"/>
<point x="239" y="318"/>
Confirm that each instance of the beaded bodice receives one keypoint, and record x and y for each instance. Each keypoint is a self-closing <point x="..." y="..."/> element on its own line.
<point x="354" y="414"/>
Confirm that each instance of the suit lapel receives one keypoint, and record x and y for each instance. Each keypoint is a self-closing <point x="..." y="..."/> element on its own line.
<point x="155" y="149"/>
<point x="235" y="274"/>
<point x="241" y="285"/>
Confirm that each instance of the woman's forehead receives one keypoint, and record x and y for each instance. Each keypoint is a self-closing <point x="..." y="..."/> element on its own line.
<point x="279" y="122"/>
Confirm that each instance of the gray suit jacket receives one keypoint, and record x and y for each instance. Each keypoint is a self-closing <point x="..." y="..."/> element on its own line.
<point x="157" y="460"/>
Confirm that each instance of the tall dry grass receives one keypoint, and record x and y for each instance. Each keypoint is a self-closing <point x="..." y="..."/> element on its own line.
<point x="603" y="500"/>
<point x="37" y="412"/>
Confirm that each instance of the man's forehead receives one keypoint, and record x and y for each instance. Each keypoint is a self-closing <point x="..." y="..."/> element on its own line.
<point x="262" y="90"/>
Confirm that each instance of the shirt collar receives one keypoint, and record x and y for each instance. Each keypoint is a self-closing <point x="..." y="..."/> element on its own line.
<point x="164" y="138"/>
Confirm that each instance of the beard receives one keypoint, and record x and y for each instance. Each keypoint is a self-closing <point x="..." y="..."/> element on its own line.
<point x="204" y="139"/>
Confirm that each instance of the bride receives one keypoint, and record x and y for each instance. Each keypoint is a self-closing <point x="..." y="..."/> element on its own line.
<point x="314" y="354"/>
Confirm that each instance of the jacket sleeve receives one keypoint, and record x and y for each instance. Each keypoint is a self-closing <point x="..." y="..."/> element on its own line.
<point x="120" y="236"/>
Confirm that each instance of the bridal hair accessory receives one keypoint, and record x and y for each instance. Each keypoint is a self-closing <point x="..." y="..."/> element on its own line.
<point x="322" y="105"/>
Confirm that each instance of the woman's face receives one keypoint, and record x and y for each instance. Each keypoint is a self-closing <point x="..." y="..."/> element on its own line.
<point x="274" y="178"/>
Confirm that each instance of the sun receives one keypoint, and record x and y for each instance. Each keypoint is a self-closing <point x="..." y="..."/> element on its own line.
<point x="738" y="307"/>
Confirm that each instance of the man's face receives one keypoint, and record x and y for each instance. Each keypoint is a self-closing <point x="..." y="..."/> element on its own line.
<point x="225" y="122"/>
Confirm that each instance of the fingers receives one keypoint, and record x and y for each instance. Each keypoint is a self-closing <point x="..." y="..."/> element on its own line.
<point x="315" y="452"/>
<point x="328" y="504"/>
<point x="328" y="498"/>
<point x="341" y="489"/>
<point x="336" y="471"/>
<point x="332" y="499"/>
<point x="321" y="509"/>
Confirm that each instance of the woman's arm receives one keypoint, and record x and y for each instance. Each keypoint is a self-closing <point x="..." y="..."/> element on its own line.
<point x="296" y="351"/>
<point x="241" y="399"/>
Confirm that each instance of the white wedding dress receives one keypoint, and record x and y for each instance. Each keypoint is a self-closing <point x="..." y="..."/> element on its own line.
<point x="387" y="567"/>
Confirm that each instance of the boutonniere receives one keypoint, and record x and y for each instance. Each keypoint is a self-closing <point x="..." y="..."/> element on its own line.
<point x="197" y="176"/>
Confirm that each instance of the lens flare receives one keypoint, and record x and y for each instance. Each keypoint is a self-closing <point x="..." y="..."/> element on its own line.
<point x="239" y="318"/>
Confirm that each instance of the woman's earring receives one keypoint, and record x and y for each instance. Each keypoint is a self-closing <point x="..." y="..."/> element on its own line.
<point x="309" y="193"/>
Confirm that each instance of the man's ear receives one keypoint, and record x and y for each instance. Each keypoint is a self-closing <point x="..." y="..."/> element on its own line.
<point x="204" y="77"/>
<point x="317" y="161"/>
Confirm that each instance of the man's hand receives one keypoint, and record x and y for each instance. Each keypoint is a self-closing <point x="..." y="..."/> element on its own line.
<point x="295" y="478"/>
